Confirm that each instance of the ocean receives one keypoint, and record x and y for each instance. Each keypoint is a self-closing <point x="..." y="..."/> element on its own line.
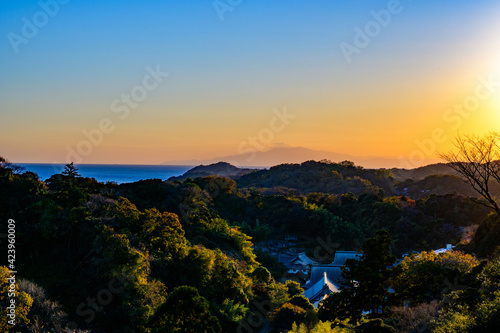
<point x="119" y="173"/>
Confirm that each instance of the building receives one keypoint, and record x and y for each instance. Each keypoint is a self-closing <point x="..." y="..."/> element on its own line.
<point x="323" y="279"/>
<point x="342" y="256"/>
<point x="319" y="290"/>
<point x="448" y="248"/>
<point x="301" y="261"/>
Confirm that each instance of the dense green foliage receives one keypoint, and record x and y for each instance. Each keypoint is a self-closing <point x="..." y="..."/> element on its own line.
<point x="325" y="176"/>
<point x="189" y="256"/>
<point x="119" y="268"/>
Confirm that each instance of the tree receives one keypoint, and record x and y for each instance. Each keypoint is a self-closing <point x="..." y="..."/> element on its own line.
<point x="262" y="274"/>
<point x="8" y="169"/>
<point x="294" y="288"/>
<point x="301" y="301"/>
<point x="44" y="315"/>
<point x="414" y="319"/>
<point x="341" y="306"/>
<point x="365" y="282"/>
<point x="372" y="272"/>
<point x="185" y="311"/>
<point x="426" y="276"/>
<point x="478" y="160"/>
<point x="375" y="325"/>
<point x="12" y="312"/>
<point x="230" y="314"/>
<point x="286" y="315"/>
<point x="162" y="233"/>
<point x="70" y="171"/>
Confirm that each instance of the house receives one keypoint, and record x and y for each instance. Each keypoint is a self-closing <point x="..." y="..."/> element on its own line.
<point x="448" y="247"/>
<point x="342" y="256"/>
<point x="323" y="279"/>
<point x="302" y="260"/>
<point x="319" y="290"/>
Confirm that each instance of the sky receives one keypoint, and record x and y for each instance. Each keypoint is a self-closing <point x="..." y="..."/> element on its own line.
<point x="143" y="82"/>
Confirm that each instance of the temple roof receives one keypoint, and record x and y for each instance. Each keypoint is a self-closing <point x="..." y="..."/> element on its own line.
<point x="342" y="256"/>
<point x="321" y="288"/>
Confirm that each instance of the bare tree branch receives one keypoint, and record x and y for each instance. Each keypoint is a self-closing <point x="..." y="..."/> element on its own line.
<point x="478" y="160"/>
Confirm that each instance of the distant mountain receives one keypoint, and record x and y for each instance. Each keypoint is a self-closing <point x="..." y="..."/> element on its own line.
<point x="276" y="156"/>
<point x="221" y="169"/>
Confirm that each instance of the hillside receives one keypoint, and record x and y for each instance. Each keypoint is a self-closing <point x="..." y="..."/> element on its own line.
<point x="424" y="171"/>
<point x="338" y="178"/>
<point x="312" y="176"/>
<point x="211" y="244"/>
<point x="220" y="169"/>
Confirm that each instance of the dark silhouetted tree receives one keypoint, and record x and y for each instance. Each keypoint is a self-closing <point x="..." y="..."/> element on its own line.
<point x="478" y="160"/>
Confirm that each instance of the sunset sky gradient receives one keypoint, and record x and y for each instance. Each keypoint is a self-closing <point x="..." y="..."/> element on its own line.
<point x="227" y="76"/>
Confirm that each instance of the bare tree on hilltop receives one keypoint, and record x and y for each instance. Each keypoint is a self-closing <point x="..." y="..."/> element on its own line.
<point x="478" y="160"/>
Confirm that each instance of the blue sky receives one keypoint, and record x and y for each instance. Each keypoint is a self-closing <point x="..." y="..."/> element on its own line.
<point x="227" y="76"/>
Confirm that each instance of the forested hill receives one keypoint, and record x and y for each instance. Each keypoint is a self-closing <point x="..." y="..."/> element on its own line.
<point x="324" y="176"/>
<point x="221" y="169"/>
<point x="227" y="170"/>
<point x="343" y="177"/>
<point x="196" y="255"/>
<point x="423" y="172"/>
